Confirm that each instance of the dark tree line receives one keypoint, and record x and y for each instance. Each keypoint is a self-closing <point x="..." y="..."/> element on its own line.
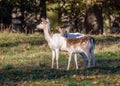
<point x="19" y="15"/>
<point x="81" y="15"/>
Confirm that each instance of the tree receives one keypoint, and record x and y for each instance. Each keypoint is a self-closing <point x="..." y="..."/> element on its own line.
<point x="43" y="9"/>
<point x="93" y="19"/>
<point x="21" y="14"/>
<point x="111" y="9"/>
<point x="5" y="14"/>
<point x="77" y="11"/>
<point x="71" y="13"/>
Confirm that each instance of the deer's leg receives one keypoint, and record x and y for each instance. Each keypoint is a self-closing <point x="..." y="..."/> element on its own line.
<point x="57" y="57"/>
<point x="85" y="62"/>
<point x="84" y="59"/>
<point x="88" y="56"/>
<point x="75" y="58"/>
<point x="89" y="62"/>
<point x="93" y="60"/>
<point x="89" y="59"/>
<point x="53" y="57"/>
<point x="69" y="60"/>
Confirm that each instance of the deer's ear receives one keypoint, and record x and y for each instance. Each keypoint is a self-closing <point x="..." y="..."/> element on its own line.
<point x="43" y="20"/>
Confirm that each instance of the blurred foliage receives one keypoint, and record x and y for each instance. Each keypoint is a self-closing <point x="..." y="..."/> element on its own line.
<point x="77" y="9"/>
<point x="74" y="8"/>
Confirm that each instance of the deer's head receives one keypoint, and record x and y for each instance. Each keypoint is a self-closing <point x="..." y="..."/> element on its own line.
<point x="45" y="24"/>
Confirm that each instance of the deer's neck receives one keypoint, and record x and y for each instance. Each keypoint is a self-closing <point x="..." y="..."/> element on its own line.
<point x="47" y="35"/>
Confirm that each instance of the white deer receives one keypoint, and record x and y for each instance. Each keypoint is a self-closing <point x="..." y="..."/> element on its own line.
<point x="84" y="45"/>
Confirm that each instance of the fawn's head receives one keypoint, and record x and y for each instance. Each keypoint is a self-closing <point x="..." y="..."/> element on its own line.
<point x="64" y="31"/>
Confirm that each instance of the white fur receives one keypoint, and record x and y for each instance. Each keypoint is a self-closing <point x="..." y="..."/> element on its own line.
<point x="75" y="35"/>
<point x="66" y="33"/>
<point x="57" y="42"/>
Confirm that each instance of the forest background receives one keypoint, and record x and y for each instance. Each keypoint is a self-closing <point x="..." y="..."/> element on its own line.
<point x="87" y="16"/>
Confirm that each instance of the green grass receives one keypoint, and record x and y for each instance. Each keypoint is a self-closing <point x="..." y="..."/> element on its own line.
<point x="13" y="39"/>
<point x="25" y="60"/>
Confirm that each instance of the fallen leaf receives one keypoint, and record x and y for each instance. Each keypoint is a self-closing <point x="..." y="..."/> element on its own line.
<point x="74" y="76"/>
<point x="118" y="80"/>
<point x="82" y="77"/>
<point x="53" y="82"/>
<point x="1" y="67"/>
<point x="95" y="82"/>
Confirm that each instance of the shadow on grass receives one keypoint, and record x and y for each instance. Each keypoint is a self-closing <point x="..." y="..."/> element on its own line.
<point x="16" y="43"/>
<point x="108" y="40"/>
<point x="111" y="66"/>
<point x="43" y="72"/>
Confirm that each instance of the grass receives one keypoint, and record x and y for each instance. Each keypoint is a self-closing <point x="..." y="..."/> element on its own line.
<point x="25" y="60"/>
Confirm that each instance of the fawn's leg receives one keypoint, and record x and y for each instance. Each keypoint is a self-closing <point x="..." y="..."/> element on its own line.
<point x="75" y="58"/>
<point x="69" y="60"/>
<point x="53" y="57"/>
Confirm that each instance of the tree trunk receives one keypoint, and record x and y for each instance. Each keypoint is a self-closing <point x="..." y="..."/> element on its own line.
<point x="43" y="9"/>
<point x="93" y="19"/>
